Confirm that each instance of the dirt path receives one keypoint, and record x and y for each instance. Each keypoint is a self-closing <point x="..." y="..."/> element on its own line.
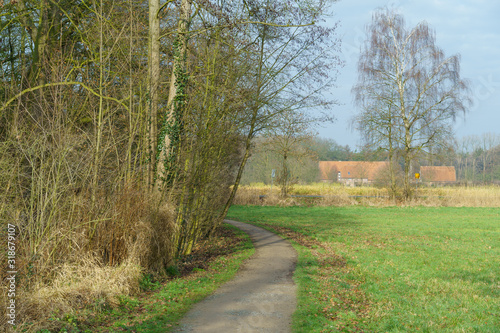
<point x="260" y="298"/>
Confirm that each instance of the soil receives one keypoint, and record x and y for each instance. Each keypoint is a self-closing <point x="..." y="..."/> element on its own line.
<point x="261" y="297"/>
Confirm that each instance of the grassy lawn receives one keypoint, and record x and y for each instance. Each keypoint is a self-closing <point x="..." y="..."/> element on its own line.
<point x="391" y="269"/>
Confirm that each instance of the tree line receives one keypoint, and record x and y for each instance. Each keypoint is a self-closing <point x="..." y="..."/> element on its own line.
<point x="476" y="159"/>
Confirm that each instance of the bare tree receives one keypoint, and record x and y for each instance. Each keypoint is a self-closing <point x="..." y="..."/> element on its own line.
<point x="153" y="85"/>
<point x="171" y="128"/>
<point x="378" y="124"/>
<point x="408" y="92"/>
<point x="286" y="139"/>
<point x="294" y="62"/>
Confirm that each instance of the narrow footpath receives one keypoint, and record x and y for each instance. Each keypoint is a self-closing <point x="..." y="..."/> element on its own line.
<point x="260" y="298"/>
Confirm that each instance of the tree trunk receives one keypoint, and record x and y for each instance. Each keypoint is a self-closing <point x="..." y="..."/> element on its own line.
<point x="100" y="112"/>
<point x="176" y="97"/>
<point x="392" y="174"/>
<point x="241" y="168"/>
<point x="407" y="190"/>
<point x="153" y="86"/>
<point x="284" y="177"/>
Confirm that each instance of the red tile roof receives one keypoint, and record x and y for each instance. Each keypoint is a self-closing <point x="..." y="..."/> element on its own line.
<point x="438" y="174"/>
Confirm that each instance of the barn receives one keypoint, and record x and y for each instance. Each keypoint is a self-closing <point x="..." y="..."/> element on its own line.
<point x="351" y="172"/>
<point x="438" y="174"/>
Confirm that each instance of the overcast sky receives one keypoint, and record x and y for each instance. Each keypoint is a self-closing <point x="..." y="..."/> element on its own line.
<point x="470" y="28"/>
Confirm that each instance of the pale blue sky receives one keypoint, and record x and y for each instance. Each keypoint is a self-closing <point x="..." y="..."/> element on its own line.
<point x="470" y="28"/>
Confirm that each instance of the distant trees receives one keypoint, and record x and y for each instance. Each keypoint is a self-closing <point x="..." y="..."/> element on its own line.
<point x="477" y="158"/>
<point x="474" y="161"/>
<point x="408" y="92"/>
<point x="330" y="150"/>
<point x="303" y="150"/>
<point x="301" y="165"/>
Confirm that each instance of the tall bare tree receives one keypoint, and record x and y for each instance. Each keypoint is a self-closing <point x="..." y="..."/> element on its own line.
<point x="408" y="92"/>
<point x="295" y="62"/>
<point x="171" y="127"/>
<point x="153" y="85"/>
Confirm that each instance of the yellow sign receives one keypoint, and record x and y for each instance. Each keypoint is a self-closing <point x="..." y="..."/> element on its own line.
<point x="417" y="176"/>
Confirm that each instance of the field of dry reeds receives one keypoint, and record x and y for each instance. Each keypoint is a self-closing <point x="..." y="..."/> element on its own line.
<point x="333" y="194"/>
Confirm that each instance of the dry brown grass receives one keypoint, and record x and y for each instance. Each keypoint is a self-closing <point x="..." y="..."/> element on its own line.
<point x="462" y="196"/>
<point x="342" y="199"/>
<point x="338" y="195"/>
<point x="75" y="286"/>
<point x="254" y="196"/>
<point x="91" y="257"/>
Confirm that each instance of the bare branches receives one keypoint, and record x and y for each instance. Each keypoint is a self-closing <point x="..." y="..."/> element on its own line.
<point x="64" y="83"/>
<point x="408" y="88"/>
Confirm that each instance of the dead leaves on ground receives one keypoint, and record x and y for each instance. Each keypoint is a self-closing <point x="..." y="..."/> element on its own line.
<point x="342" y="300"/>
<point x="222" y="243"/>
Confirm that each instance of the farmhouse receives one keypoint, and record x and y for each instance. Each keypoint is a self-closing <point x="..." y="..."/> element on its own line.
<point x="438" y="174"/>
<point x="351" y="172"/>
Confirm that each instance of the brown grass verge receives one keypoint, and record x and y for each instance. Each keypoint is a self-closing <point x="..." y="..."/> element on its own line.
<point x="337" y="195"/>
<point x="222" y="243"/>
<point x="89" y="257"/>
<point x="89" y="285"/>
<point x="75" y="287"/>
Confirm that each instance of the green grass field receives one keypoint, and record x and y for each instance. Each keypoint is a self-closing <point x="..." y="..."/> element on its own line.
<point x="391" y="269"/>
